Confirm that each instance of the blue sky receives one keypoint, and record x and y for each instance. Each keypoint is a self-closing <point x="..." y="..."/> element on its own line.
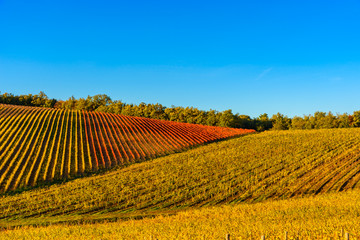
<point x="293" y="57"/>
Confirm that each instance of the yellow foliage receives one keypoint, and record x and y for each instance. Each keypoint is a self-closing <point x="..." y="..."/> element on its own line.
<point x="321" y="217"/>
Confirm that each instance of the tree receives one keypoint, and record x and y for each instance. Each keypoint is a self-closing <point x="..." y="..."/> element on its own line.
<point x="158" y="112"/>
<point x="242" y="121"/>
<point x="211" y="118"/>
<point x="280" y="122"/>
<point x="298" y="123"/>
<point x="323" y="120"/>
<point x="116" y="107"/>
<point x="356" y="119"/>
<point x="128" y="110"/>
<point x="69" y="104"/>
<point x="343" y="121"/>
<point x="226" y="119"/>
<point x="98" y="100"/>
<point x="172" y="113"/>
<point x="263" y="122"/>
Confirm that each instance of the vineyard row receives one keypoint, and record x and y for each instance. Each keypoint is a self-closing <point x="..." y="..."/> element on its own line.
<point x="39" y="144"/>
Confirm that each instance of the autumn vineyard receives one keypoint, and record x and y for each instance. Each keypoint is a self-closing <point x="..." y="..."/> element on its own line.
<point x="42" y="144"/>
<point x="66" y="173"/>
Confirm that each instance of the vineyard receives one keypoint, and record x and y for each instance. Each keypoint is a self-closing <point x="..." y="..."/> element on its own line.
<point x="253" y="168"/>
<point x="185" y="194"/>
<point x="41" y="144"/>
<point x="302" y="218"/>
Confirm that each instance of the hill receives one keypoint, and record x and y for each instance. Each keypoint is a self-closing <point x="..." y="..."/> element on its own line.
<point x="40" y="145"/>
<point x="329" y="216"/>
<point x="251" y="168"/>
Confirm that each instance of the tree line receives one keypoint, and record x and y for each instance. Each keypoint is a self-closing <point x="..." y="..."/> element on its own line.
<point x="103" y="103"/>
<point x="37" y="100"/>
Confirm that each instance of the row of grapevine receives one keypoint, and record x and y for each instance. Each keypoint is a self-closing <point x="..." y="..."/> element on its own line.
<point x="38" y="144"/>
<point x="271" y="165"/>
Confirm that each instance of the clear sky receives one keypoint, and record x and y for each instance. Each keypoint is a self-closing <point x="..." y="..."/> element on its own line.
<point x="293" y="57"/>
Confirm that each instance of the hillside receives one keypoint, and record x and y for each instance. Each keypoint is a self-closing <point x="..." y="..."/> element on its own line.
<point x="40" y="145"/>
<point x="329" y="216"/>
<point x="251" y="168"/>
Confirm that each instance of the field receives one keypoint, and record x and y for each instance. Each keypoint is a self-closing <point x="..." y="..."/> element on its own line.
<point x="248" y="169"/>
<point x="302" y="218"/>
<point x="42" y="145"/>
<point x="248" y="185"/>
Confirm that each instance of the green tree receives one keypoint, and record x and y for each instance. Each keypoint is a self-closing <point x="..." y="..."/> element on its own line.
<point x="227" y="119"/>
<point x="323" y="120"/>
<point x="157" y="111"/>
<point x="263" y="122"/>
<point x="280" y="122"/>
<point x="344" y="120"/>
<point x="356" y="119"/>
<point x="211" y="118"/>
<point x="298" y="123"/>
<point x="242" y="121"/>
<point x="70" y="103"/>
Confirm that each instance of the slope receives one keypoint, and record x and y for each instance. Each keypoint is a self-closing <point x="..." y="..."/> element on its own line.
<point x="41" y="145"/>
<point x="252" y="168"/>
<point x="329" y="216"/>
